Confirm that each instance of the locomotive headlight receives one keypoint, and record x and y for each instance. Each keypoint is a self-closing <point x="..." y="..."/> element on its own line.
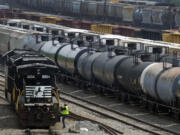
<point x="29" y="109"/>
<point x="49" y="100"/>
<point x="27" y="100"/>
<point x="48" y="108"/>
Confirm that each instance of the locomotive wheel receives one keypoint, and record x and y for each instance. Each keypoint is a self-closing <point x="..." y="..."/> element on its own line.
<point x="6" y="94"/>
<point x="11" y="99"/>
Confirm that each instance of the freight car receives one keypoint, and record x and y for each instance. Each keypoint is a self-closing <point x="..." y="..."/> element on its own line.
<point x="153" y="34"/>
<point x="60" y="33"/>
<point x="63" y="33"/>
<point x="149" y="15"/>
<point x="12" y="38"/>
<point x="51" y="29"/>
<point x="31" y="87"/>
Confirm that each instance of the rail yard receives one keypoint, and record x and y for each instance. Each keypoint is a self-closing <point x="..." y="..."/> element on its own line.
<point x="104" y="67"/>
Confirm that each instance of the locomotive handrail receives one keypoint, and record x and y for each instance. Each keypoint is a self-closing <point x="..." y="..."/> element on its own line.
<point x="57" y="97"/>
<point x="17" y="102"/>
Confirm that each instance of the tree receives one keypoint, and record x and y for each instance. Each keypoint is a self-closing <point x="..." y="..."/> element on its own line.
<point x="173" y="1"/>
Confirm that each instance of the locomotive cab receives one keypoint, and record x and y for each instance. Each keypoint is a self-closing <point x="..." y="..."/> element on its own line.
<point x="38" y="86"/>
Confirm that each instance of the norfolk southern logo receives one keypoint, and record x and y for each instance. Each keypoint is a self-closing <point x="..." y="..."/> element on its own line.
<point x="39" y="90"/>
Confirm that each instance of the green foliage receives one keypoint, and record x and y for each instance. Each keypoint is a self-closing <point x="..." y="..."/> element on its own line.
<point x="173" y="1"/>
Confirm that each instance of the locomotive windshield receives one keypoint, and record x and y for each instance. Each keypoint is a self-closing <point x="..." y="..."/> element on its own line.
<point x="39" y="79"/>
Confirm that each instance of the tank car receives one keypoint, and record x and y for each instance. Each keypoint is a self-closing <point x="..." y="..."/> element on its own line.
<point x="31" y="87"/>
<point x="161" y="82"/>
<point x="105" y="68"/>
<point x="168" y="86"/>
<point x="65" y="55"/>
<point x="85" y="65"/>
<point x="68" y="56"/>
<point x="132" y="70"/>
<point x="148" y="79"/>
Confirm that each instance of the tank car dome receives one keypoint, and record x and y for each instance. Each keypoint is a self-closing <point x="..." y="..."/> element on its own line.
<point x="138" y="16"/>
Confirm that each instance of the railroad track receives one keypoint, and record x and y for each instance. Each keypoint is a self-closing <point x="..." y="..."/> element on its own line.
<point x="131" y="122"/>
<point x="39" y="132"/>
<point x="2" y="80"/>
<point x="108" y="129"/>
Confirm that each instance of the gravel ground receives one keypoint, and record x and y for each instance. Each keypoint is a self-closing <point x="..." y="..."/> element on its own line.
<point x="8" y="120"/>
<point x="127" y="130"/>
<point x="9" y="123"/>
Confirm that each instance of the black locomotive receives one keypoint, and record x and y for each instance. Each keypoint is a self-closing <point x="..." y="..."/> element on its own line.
<point x="31" y="87"/>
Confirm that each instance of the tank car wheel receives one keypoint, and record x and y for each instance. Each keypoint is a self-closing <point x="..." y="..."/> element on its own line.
<point x="94" y="89"/>
<point x="157" y="109"/>
<point x="138" y="101"/>
<point x="64" y="80"/>
<point x="102" y="92"/>
<point x="59" y="79"/>
<point x="78" y="84"/>
<point x="152" y="107"/>
<point x="146" y="105"/>
<point x="170" y="112"/>
<point x="118" y="97"/>
<point x="82" y="86"/>
<point x="85" y="88"/>
<point x="177" y="116"/>
<point x="124" y="97"/>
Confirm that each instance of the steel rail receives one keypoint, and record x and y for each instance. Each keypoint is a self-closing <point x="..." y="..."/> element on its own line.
<point x="48" y="132"/>
<point x="117" y="112"/>
<point x="107" y="128"/>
